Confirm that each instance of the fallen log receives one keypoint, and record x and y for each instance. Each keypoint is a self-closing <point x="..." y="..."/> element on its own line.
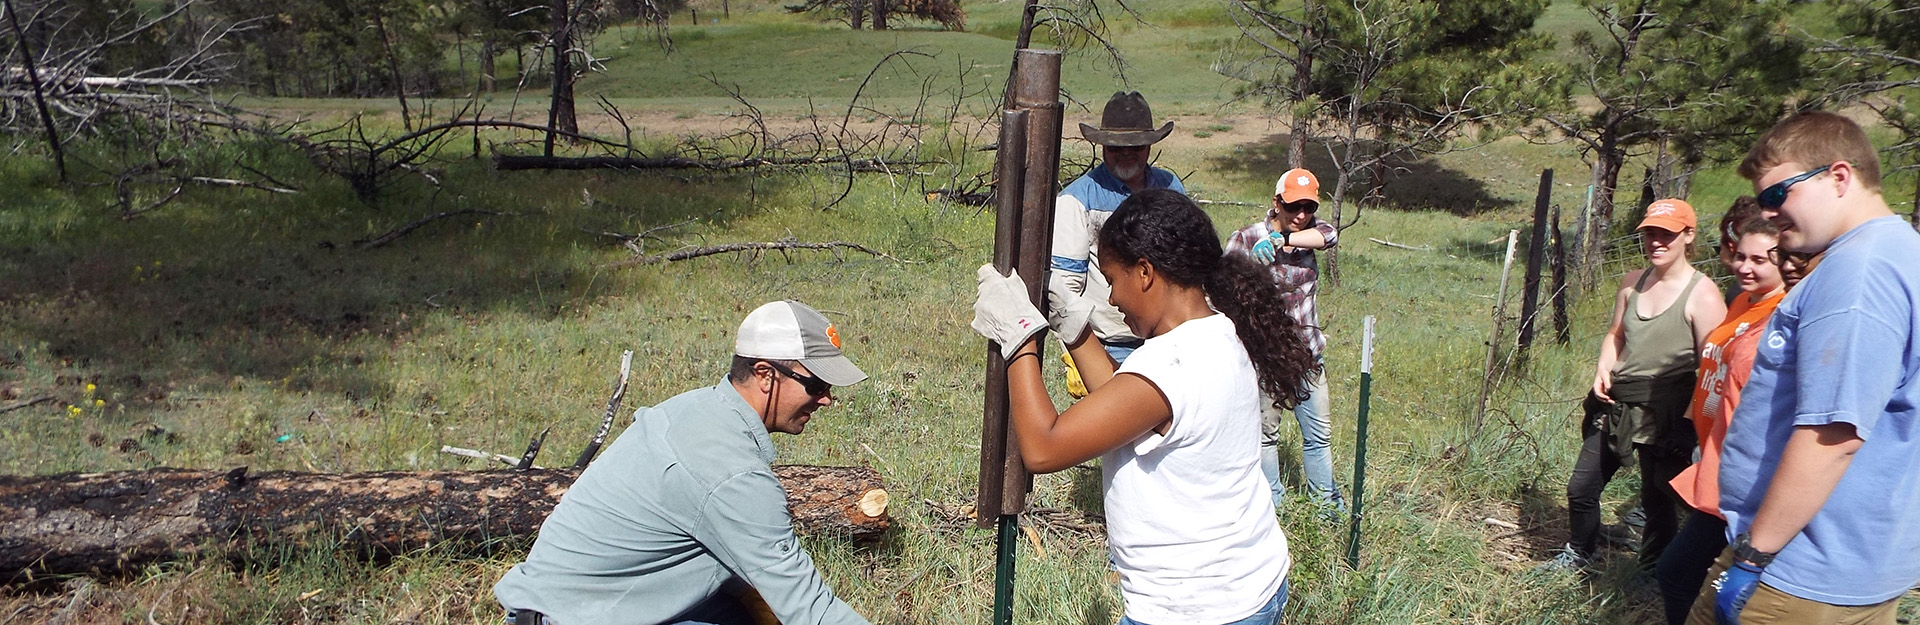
<point x="107" y="523"/>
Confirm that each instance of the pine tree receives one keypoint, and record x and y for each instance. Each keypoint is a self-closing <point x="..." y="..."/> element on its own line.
<point x="1382" y="80"/>
<point x="1698" y="77"/>
<point x="1876" y="62"/>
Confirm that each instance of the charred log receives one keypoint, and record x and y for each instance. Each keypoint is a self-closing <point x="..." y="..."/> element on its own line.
<point x="107" y="523"/>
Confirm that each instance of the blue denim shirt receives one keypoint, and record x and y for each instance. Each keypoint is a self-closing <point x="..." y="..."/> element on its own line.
<point x="682" y="501"/>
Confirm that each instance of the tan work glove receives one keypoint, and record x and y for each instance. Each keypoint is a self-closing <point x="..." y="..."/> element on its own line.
<point x="1002" y="311"/>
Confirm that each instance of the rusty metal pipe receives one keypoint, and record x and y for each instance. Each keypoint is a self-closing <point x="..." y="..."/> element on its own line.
<point x="1009" y="174"/>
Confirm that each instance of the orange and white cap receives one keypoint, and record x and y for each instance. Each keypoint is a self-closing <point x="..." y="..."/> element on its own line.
<point x="1671" y="215"/>
<point x="1296" y="185"/>
<point x="790" y="330"/>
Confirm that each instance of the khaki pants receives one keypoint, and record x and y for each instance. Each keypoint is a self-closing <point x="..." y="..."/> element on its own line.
<point x="1768" y="606"/>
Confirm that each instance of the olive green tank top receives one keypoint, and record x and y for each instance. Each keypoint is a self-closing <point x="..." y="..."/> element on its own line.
<point x="1660" y="345"/>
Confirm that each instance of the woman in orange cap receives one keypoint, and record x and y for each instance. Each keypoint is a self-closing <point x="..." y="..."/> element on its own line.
<point x="1642" y="384"/>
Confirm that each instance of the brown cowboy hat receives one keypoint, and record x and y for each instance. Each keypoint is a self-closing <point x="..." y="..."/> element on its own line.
<point x="1127" y="122"/>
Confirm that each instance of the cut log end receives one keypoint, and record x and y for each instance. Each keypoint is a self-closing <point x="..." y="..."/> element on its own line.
<point x="874" y="503"/>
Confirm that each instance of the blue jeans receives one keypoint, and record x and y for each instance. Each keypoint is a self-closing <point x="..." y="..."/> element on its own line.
<point x="1269" y="614"/>
<point x="1316" y="440"/>
<point x="1120" y="350"/>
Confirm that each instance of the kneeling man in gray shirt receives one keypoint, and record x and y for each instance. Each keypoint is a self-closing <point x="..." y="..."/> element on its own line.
<point x="684" y="504"/>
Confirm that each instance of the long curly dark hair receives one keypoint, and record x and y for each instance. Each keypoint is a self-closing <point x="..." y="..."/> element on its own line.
<point x="1166" y="228"/>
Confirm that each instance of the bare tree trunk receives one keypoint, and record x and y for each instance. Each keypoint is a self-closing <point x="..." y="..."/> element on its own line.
<point x="39" y="95"/>
<point x="1606" y="174"/>
<point x="880" y="14"/>
<point x="1302" y="82"/>
<point x="393" y="66"/>
<point x="487" y="52"/>
<point x="97" y="523"/>
<point x="560" y="112"/>
<point x="857" y="13"/>
<point x="460" y="50"/>
<point x="1914" y="215"/>
<point x="1331" y="272"/>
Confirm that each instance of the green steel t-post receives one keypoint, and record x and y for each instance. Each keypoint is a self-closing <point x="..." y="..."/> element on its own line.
<point x="1003" y="570"/>
<point x="1360" y="445"/>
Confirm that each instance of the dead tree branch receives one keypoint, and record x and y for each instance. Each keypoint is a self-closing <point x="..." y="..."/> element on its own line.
<point x="25" y="403"/>
<point x="402" y="231"/>
<point x="755" y="247"/>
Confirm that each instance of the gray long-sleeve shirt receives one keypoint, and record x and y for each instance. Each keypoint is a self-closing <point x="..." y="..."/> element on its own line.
<point x="682" y="501"/>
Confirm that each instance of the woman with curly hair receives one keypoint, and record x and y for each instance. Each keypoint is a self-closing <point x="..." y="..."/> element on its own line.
<point x="1190" y="520"/>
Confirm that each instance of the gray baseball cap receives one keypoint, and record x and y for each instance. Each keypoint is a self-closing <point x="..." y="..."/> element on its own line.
<point x="790" y="330"/>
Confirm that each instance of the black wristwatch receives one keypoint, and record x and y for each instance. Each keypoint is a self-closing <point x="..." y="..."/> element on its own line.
<point x="1743" y="550"/>
<point x="1286" y="238"/>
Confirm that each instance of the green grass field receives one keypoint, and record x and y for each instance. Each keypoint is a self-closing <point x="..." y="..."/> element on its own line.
<point x="239" y="328"/>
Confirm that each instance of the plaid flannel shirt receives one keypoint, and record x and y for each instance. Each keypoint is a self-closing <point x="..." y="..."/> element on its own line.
<point x="1296" y="273"/>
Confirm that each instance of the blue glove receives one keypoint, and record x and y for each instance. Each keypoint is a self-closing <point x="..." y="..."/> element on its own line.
<point x="1732" y="591"/>
<point x="1267" y="248"/>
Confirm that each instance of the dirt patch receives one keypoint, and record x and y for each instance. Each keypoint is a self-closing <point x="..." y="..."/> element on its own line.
<point x="1520" y="536"/>
<point x="1526" y="531"/>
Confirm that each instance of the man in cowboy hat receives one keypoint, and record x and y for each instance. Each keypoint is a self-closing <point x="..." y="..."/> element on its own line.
<point x="1077" y="294"/>
<point x="683" y="515"/>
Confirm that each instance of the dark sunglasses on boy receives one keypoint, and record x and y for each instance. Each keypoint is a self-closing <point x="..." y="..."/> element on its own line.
<point x="1772" y="197"/>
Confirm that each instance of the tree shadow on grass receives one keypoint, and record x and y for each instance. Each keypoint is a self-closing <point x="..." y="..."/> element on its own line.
<point x="1413" y="184"/>
<point x="230" y="287"/>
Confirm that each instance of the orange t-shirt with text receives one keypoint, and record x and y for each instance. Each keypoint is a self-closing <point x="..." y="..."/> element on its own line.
<point x="1725" y="362"/>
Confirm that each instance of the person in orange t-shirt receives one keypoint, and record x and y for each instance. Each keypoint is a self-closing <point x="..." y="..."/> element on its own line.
<point x="1725" y="361"/>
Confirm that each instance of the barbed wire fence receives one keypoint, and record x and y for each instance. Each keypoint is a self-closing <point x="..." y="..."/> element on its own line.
<point x="1514" y="387"/>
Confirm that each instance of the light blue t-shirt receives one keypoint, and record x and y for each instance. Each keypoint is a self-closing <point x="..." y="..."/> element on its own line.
<point x="1843" y="347"/>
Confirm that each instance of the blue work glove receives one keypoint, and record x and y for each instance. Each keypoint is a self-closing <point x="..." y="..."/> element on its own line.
<point x="1267" y="248"/>
<point x="1732" y="591"/>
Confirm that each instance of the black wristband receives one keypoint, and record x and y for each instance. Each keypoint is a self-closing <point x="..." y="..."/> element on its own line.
<point x="1035" y="355"/>
<point x="1743" y="550"/>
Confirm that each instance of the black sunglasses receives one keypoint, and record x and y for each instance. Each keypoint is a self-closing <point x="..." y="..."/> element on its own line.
<point x="1302" y="206"/>
<point x="1772" y="197"/>
<point x="814" y="386"/>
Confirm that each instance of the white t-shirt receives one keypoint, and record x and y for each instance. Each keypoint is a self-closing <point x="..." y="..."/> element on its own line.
<point x="1190" y="522"/>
